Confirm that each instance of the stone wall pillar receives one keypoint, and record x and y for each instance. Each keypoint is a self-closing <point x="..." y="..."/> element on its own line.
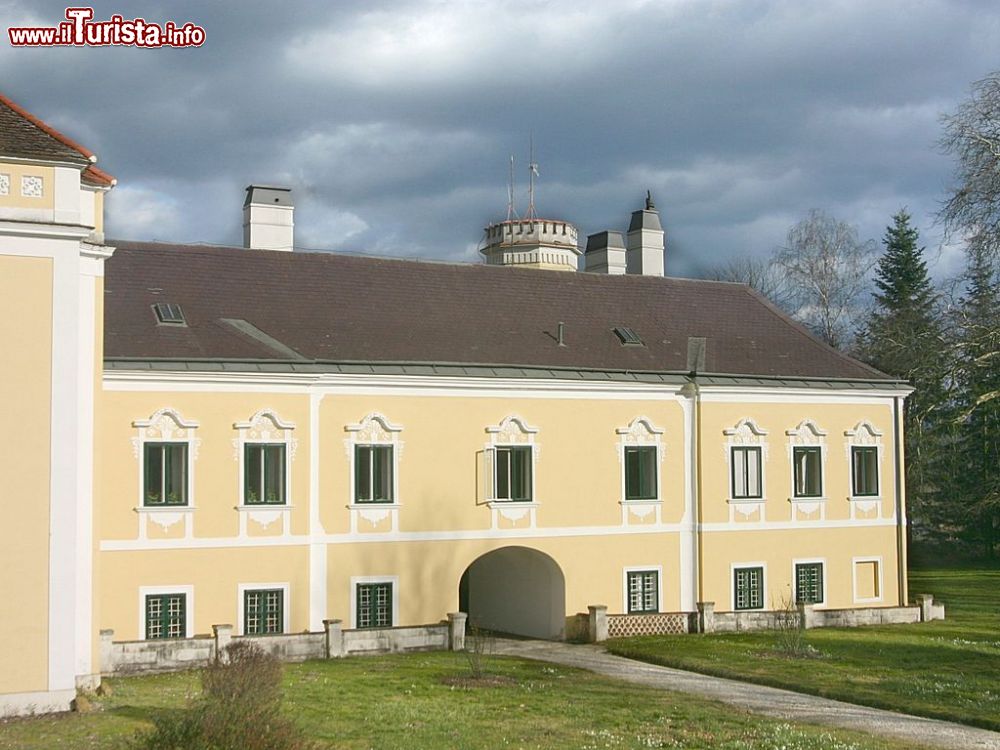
<point x="223" y="637"/>
<point x="334" y="630"/>
<point x="706" y="617"/>
<point x="106" y="652"/>
<point x="807" y="616"/>
<point x="597" y="630"/>
<point x="456" y="630"/>
<point x="926" y="603"/>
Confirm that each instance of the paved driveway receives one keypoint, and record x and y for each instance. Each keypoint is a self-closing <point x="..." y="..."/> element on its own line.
<point x="781" y="704"/>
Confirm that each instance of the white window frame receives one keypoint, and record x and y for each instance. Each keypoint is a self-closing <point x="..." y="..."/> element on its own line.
<point x="641" y="433"/>
<point x="877" y="559"/>
<point x="165" y="425"/>
<point x="242" y="588"/>
<point x="265" y="426"/>
<point x="864" y="435"/>
<point x="356" y="580"/>
<point x="733" y="567"/>
<point x="186" y="589"/>
<point x="511" y="432"/>
<point x="746" y="434"/>
<point x="807" y="435"/>
<point x="374" y="429"/>
<point x="658" y="569"/>
<point x="795" y="580"/>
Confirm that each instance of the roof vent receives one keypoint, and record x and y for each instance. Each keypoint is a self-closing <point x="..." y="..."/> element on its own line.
<point x="627" y="336"/>
<point x="168" y="314"/>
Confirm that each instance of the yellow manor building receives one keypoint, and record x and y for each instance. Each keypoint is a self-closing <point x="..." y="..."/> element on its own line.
<point x="198" y="435"/>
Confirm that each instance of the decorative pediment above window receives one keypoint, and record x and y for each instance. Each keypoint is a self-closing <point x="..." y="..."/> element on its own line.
<point x="165" y="424"/>
<point x="511" y="431"/>
<point x="374" y="429"/>
<point x="864" y="433"/>
<point x="806" y="433"/>
<point x="640" y="431"/>
<point x="265" y="426"/>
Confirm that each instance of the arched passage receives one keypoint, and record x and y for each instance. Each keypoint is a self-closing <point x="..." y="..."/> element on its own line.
<point x="515" y="590"/>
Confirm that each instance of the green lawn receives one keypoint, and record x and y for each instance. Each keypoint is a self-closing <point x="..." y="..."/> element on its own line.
<point x="948" y="670"/>
<point x="402" y="701"/>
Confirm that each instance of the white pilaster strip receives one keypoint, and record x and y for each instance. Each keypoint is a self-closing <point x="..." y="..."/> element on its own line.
<point x="689" y="521"/>
<point x="317" y="549"/>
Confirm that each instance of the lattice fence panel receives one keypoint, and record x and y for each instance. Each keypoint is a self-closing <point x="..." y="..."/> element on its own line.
<point x="624" y="626"/>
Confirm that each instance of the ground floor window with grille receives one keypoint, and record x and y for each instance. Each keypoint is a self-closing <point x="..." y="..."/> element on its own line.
<point x="809" y="583"/>
<point x="643" y="591"/>
<point x="374" y="606"/>
<point x="263" y="611"/>
<point x="748" y="588"/>
<point x="166" y="616"/>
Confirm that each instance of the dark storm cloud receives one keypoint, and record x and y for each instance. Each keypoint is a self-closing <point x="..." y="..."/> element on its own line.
<point x="393" y="121"/>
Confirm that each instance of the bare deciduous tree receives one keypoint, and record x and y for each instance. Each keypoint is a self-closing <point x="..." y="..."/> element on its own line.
<point x="760" y="274"/>
<point x="827" y="268"/>
<point x="972" y="135"/>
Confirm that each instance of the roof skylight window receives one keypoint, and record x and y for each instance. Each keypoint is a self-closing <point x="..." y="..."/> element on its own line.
<point x="627" y="336"/>
<point x="169" y="314"/>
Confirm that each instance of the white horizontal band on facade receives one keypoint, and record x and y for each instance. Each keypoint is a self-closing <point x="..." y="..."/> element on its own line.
<point x="133" y="545"/>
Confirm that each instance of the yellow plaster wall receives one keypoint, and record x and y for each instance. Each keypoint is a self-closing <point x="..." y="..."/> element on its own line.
<point x="776" y="418"/>
<point x="15" y="199"/>
<point x="777" y="549"/>
<point x="25" y="381"/>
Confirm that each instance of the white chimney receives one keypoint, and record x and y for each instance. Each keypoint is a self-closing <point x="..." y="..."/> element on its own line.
<point x="645" y="242"/>
<point x="267" y="218"/>
<point x="605" y="253"/>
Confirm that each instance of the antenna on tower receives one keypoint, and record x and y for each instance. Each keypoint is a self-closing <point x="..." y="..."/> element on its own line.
<point x="532" y="174"/>
<point x="510" y="190"/>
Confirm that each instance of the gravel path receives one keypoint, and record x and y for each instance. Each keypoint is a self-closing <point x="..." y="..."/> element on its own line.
<point x="774" y="702"/>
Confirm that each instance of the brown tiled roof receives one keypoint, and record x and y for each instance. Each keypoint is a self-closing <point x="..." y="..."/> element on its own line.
<point x="341" y="308"/>
<point x="94" y="176"/>
<point x="24" y="136"/>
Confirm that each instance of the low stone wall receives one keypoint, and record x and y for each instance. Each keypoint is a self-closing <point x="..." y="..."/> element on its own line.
<point x="132" y="657"/>
<point x="601" y="626"/>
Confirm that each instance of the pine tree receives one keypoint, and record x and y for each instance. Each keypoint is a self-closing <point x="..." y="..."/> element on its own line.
<point x="903" y="337"/>
<point x="978" y="399"/>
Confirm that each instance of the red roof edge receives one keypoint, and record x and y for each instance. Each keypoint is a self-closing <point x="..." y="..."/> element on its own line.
<point x="98" y="176"/>
<point x="47" y="128"/>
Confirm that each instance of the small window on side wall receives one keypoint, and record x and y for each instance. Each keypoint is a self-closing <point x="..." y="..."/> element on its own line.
<point x="264" y="474"/>
<point x="263" y="611"/>
<point x="745" y="463"/>
<point x="164" y="471"/>
<point x="748" y="588"/>
<point x="808" y="470"/>
<point x="864" y="471"/>
<point x="640" y="472"/>
<point x="513" y="473"/>
<point x="373" y="481"/>
<point x="809" y="583"/>
<point x="643" y="591"/>
<point x="374" y="605"/>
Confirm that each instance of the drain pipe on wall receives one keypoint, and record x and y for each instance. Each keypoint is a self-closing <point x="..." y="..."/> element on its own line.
<point x="901" y="520"/>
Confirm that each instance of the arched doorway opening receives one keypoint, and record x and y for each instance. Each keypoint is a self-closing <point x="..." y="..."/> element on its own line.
<point x="515" y="590"/>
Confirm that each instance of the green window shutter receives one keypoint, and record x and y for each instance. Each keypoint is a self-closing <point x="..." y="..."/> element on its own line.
<point x="640" y="472"/>
<point x="809" y="583"/>
<point x="252" y="470"/>
<point x="520" y="473"/>
<point x="362" y="473"/>
<point x="382" y="473"/>
<point x="864" y="470"/>
<point x="274" y="474"/>
<point x="175" y="473"/>
<point x="166" y="616"/>
<point x="643" y="591"/>
<point x="503" y="462"/>
<point x="263" y="611"/>
<point x="749" y="588"/>
<point x="374" y="605"/>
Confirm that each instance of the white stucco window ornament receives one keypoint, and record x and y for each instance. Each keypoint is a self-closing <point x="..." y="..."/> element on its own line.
<point x="510" y="461"/>
<point x="640" y="450"/>
<point x="31" y="186"/>
<point x="746" y="452"/>
<point x="165" y="447"/>
<point x="807" y="464"/>
<point x="4" y="184"/>
<point x="264" y="450"/>
<point x="864" y="453"/>
<point x="374" y="450"/>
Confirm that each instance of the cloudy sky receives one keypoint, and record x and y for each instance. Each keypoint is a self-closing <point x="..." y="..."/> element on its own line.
<point x="393" y="121"/>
